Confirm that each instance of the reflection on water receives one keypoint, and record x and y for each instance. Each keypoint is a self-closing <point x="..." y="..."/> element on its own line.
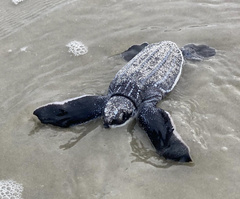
<point x="148" y="156"/>
<point x="83" y="132"/>
<point x="80" y="131"/>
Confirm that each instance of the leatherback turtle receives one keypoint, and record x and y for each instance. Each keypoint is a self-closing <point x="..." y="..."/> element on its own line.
<point x="152" y="71"/>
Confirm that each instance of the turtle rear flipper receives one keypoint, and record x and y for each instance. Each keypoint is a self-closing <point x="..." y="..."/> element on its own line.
<point x="197" y="52"/>
<point x="133" y="51"/>
<point x="160" y="129"/>
<point x="71" y="112"/>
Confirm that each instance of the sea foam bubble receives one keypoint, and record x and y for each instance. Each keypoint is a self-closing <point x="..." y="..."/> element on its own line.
<point x="77" y="48"/>
<point x="17" y="1"/>
<point x="10" y="189"/>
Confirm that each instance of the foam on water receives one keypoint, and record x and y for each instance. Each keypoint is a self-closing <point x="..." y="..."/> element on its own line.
<point x="24" y="49"/>
<point x="17" y="1"/>
<point x="10" y="189"/>
<point x="77" y="48"/>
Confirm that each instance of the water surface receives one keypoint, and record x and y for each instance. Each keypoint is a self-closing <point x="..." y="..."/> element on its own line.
<point x="88" y="161"/>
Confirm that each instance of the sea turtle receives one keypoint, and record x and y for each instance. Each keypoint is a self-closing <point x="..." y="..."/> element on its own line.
<point x="152" y="71"/>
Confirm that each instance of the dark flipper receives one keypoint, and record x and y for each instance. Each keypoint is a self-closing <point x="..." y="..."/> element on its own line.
<point x="133" y="51"/>
<point x="160" y="129"/>
<point x="197" y="52"/>
<point x="71" y="112"/>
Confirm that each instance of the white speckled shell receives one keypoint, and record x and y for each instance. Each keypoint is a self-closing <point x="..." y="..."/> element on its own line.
<point x="157" y="67"/>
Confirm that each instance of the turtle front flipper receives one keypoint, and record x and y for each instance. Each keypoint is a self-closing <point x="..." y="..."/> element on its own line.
<point x="71" y="112"/>
<point x="197" y="52"/>
<point x="160" y="129"/>
<point x="133" y="51"/>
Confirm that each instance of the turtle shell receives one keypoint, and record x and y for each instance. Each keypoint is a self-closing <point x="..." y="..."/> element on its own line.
<point x="151" y="73"/>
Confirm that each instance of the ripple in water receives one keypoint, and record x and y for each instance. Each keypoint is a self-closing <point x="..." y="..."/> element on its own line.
<point x="13" y="18"/>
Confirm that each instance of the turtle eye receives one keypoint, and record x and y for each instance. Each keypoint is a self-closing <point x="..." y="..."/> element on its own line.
<point x="126" y="116"/>
<point x="120" y="119"/>
<point x="121" y="116"/>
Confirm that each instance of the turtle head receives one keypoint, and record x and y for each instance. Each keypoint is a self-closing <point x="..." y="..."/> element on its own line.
<point x="117" y="111"/>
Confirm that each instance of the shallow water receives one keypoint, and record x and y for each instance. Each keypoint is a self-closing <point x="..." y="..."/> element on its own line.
<point x="88" y="161"/>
